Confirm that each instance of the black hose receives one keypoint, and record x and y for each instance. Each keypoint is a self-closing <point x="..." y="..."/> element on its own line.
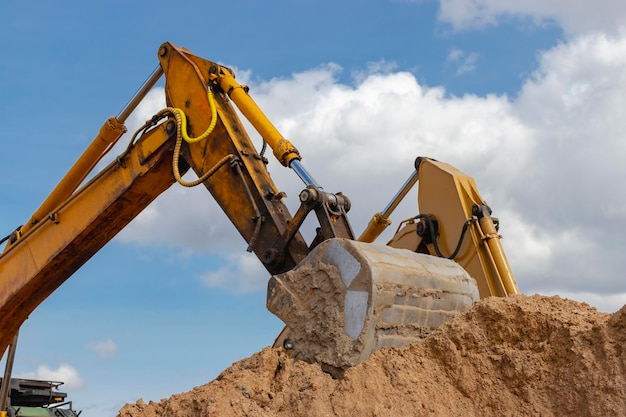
<point x="433" y="237"/>
<point x="17" y="229"/>
<point x="262" y="153"/>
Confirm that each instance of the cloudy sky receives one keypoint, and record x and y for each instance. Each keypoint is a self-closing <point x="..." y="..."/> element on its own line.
<point x="527" y="97"/>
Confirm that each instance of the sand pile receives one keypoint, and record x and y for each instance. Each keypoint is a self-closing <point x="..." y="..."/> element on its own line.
<point x="520" y="356"/>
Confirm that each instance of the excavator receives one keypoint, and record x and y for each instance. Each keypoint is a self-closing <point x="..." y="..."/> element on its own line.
<point x="341" y="296"/>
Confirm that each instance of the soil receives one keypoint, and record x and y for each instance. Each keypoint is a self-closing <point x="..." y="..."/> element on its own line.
<point x="515" y="356"/>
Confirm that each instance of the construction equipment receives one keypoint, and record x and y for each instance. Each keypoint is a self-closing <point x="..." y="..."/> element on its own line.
<point x="340" y="297"/>
<point x="31" y="398"/>
<point x="36" y="398"/>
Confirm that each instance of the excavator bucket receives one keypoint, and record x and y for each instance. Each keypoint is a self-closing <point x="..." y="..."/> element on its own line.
<point x="347" y="299"/>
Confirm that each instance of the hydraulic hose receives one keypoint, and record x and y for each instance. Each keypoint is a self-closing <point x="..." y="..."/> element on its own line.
<point x="181" y="134"/>
<point x="433" y="237"/>
<point x="183" y="124"/>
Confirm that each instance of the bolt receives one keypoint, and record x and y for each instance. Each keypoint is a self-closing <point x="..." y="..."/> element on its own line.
<point x="421" y="229"/>
<point x="305" y="195"/>
<point x="170" y="127"/>
<point x="270" y="256"/>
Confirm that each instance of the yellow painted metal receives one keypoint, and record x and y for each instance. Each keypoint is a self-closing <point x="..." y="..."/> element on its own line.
<point x="492" y="239"/>
<point x="109" y="134"/>
<point x="450" y="195"/>
<point x="375" y="227"/>
<point x="53" y="249"/>
<point x="184" y="67"/>
<point x="250" y="198"/>
<point x="283" y="149"/>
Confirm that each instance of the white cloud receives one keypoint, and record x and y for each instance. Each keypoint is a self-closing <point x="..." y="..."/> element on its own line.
<point x="464" y="62"/>
<point x="575" y="17"/>
<point x="575" y="105"/>
<point x="64" y="373"/>
<point x="378" y="67"/>
<point x="151" y="104"/>
<point x="607" y="303"/>
<point x="103" y="348"/>
<point x="243" y="273"/>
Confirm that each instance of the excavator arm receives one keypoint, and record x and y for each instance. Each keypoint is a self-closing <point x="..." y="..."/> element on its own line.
<point x="340" y="298"/>
<point x="454" y="222"/>
<point x="246" y="193"/>
<point x="244" y="190"/>
<point x="38" y="259"/>
<point x="74" y="224"/>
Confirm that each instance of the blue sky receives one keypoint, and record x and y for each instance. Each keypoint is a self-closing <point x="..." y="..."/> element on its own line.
<point x="526" y="97"/>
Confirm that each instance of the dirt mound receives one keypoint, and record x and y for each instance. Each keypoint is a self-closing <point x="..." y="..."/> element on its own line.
<point x="520" y="356"/>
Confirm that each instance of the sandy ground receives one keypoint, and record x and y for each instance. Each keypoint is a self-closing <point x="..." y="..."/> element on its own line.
<point x="519" y="356"/>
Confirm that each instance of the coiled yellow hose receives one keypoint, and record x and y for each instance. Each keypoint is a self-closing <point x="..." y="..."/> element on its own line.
<point x="181" y="134"/>
<point x="183" y="125"/>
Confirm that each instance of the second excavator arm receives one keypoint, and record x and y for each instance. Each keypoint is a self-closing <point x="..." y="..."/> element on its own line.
<point x="454" y="222"/>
